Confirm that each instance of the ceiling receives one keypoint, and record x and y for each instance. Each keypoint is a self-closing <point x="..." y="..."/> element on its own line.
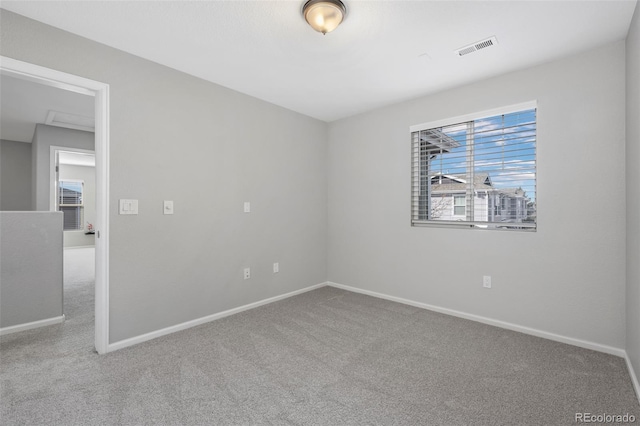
<point x="384" y="52"/>
<point x="23" y="104"/>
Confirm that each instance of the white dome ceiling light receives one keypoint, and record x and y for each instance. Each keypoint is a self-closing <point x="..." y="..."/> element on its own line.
<point x="324" y="15"/>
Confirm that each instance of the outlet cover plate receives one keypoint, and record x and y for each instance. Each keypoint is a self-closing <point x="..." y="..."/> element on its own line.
<point x="486" y="281"/>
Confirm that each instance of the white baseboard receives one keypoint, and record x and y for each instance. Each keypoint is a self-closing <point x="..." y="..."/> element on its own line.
<point x="31" y="325"/>
<point x="502" y="324"/>
<point x="185" y="325"/>
<point x="634" y="378"/>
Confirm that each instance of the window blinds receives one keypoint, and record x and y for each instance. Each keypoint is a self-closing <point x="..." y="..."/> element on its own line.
<point x="476" y="173"/>
<point x="70" y="203"/>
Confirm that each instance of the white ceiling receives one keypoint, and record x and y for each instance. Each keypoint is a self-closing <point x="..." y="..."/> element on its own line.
<point x="23" y="104"/>
<point x="375" y="58"/>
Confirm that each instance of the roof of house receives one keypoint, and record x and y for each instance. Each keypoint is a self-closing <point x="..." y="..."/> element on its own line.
<point x="458" y="183"/>
<point x="514" y="192"/>
<point x="452" y="183"/>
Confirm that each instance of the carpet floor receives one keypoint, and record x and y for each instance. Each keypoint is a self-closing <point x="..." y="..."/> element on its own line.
<point x="326" y="357"/>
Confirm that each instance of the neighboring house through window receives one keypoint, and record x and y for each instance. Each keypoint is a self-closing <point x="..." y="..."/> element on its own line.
<point x="70" y="203"/>
<point x="476" y="171"/>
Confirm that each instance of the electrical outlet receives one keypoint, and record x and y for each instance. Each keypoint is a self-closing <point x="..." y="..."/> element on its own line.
<point x="247" y="273"/>
<point x="247" y="207"/>
<point x="486" y="281"/>
<point x="276" y="268"/>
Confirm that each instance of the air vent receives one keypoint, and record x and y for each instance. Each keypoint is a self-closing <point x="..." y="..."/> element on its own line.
<point x="483" y="44"/>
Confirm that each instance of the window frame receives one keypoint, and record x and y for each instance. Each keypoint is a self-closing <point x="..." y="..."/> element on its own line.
<point x="509" y="109"/>
<point x="463" y="205"/>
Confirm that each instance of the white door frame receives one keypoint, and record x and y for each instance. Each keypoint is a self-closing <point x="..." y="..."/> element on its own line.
<point x="49" y="77"/>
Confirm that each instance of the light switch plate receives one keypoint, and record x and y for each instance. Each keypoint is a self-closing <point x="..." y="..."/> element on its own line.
<point x="168" y="207"/>
<point x="247" y="207"/>
<point x="128" y="206"/>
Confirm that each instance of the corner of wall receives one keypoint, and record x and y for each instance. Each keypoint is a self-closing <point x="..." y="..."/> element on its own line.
<point x="632" y="199"/>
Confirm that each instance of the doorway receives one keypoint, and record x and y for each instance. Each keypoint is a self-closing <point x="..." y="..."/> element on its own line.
<point x="73" y="192"/>
<point x="100" y="92"/>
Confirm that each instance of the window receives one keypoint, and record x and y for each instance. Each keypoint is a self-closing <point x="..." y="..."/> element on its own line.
<point x="459" y="205"/>
<point x="70" y="204"/>
<point x="484" y="165"/>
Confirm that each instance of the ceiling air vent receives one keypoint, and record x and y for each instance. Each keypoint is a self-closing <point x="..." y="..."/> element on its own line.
<point x="483" y="44"/>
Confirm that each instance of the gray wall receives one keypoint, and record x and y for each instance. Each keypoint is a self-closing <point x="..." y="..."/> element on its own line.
<point x="15" y="175"/>
<point x="43" y="138"/>
<point x="633" y="193"/>
<point x="209" y="149"/>
<point x="88" y="176"/>
<point x="30" y="294"/>
<point x="568" y="277"/>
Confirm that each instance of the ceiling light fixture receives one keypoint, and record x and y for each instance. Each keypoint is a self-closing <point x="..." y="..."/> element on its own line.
<point x="324" y="15"/>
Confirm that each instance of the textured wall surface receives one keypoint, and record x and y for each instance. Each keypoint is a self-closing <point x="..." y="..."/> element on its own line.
<point x="29" y="293"/>
<point x="15" y="176"/>
<point x="633" y="193"/>
<point x="568" y="277"/>
<point x="208" y="149"/>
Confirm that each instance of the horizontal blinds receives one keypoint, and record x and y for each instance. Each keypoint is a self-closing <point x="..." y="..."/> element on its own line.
<point x="70" y="203"/>
<point x="72" y="218"/>
<point x="491" y="161"/>
<point x="70" y="192"/>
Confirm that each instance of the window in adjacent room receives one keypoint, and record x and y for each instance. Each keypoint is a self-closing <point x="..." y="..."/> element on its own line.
<point x="476" y="171"/>
<point x="70" y="203"/>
